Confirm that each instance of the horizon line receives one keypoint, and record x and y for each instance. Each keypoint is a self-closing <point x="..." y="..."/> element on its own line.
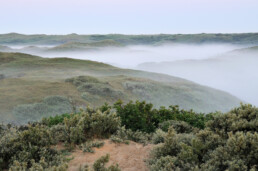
<point x="85" y="34"/>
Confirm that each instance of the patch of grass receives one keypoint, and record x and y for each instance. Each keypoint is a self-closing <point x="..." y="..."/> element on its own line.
<point x="50" y="106"/>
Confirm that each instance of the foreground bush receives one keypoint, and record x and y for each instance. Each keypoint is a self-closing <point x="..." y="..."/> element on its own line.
<point x="28" y="148"/>
<point x="229" y="142"/>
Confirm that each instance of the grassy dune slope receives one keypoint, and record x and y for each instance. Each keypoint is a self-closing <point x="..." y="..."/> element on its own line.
<point x="29" y="79"/>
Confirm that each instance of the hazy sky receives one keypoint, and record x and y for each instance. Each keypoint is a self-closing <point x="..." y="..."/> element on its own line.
<point x="128" y="16"/>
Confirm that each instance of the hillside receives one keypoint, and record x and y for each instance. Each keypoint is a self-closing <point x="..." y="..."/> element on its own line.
<point x="234" y="72"/>
<point x="36" y="86"/>
<point x="77" y="46"/>
<point x="41" y="39"/>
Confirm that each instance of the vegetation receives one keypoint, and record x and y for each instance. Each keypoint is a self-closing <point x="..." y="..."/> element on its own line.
<point x="229" y="142"/>
<point x="141" y="116"/>
<point x="88" y="146"/>
<point x="14" y="38"/>
<point x="53" y="105"/>
<point x="186" y="140"/>
<point x="30" y="146"/>
<point x="77" y="46"/>
<point x="99" y="165"/>
<point x="30" y="79"/>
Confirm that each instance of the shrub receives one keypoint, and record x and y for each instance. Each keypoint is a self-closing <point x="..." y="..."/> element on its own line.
<point x="138" y="116"/>
<point x="123" y="135"/>
<point x="55" y="120"/>
<point x="99" y="165"/>
<point x="27" y="148"/>
<point x="178" y="126"/>
<point x="78" y="128"/>
<point x="158" y="136"/>
<point x="141" y="116"/>
<point x="229" y="142"/>
<point x="88" y="146"/>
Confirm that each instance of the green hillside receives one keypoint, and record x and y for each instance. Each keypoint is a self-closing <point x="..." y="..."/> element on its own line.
<point x="30" y="82"/>
<point x="245" y="38"/>
<point x="75" y="46"/>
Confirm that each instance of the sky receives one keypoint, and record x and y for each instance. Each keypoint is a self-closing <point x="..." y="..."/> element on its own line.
<point x="128" y="16"/>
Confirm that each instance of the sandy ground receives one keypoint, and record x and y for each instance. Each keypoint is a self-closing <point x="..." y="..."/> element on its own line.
<point x="128" y="157"/>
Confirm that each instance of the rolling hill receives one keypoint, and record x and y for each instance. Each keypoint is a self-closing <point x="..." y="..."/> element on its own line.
<point x="32" y="83"/>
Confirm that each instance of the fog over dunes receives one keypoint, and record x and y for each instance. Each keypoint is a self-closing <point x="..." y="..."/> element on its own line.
<point x="219" y="66"/>
<point x="234" y="72"/>
<point x="131" y="56"/>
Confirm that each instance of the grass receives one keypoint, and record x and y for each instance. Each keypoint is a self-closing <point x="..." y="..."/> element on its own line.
<point x="29" y="79"/>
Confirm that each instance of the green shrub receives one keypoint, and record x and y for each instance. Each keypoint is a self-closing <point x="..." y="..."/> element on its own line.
<point x="78" y="128"/>
<point x="99" y="165"/>
<point x="88" y="146"/>
<point x="27" y="148"/>
<point x="229" y="142"/>
<point x="178" y="126"/>
<point x="158" y="136"/>
<point x="123" y="135"/>
<point x="138" y="116"/>
<point x="141" y="116"/>
<point x="55" y="120"/>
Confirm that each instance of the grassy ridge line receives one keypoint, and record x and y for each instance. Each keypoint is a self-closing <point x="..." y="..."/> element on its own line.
<point x="243" y="38"/>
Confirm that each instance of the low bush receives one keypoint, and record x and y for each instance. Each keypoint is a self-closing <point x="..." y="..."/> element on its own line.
<point x="78" y="128"/>
<point x="178" y="126"/>
<point x="123" y="135"/>
<point x="158" y="136"/>
<point x="99" y="165"/>
<point x="88" y="146"/>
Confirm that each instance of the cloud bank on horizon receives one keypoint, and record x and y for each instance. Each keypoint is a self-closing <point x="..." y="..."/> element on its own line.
<point x="128" y="17"/>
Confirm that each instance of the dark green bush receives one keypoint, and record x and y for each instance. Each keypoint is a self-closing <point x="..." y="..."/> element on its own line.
<point x="141" y="116"/>
<point x="137" y="116"/>
<point x="55" y="120"/>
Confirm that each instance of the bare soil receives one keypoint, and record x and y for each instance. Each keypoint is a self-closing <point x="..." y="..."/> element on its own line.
<point x="129" y="157"/>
